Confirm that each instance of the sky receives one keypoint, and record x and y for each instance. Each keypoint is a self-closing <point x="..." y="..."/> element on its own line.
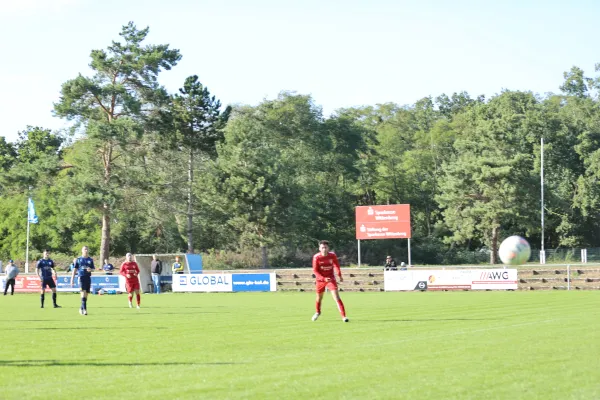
<point x="345" y="53"/>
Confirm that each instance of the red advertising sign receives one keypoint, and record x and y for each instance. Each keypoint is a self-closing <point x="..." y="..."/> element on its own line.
<point x="383" y="222"/>
<point x="27" y="283"/>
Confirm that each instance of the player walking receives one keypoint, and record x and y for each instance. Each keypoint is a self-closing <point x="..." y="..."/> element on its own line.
<point x="84" y="266"/>
<point x="45" y="270"/>
<point x="323" y="264"/>
<point x="131" y="272"/>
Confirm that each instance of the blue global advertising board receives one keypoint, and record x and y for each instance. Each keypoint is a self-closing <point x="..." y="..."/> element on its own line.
<point x="106" y="282"/>
<point x="251" y="282"/>
<point x="224" y="283"/>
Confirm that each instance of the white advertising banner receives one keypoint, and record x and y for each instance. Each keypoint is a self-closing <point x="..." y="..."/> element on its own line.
<point x="494" y="279"/>
<point x="202" y="283"/>
<point x="456" y="279"/>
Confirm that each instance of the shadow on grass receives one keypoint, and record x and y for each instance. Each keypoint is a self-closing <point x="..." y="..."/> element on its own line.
<point x="195" y="313"/>
<point x="431" y="319"/>
<point x="153" y="306"/>
<point x="96" y="363"/>
<point x="44" y="328"/>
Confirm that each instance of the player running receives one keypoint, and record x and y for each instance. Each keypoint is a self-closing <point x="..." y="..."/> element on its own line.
<point x="131" y="272"/>
<point x="46" y="271"/>
<point x="323" y="264"/>
<point x="84" y="266"/>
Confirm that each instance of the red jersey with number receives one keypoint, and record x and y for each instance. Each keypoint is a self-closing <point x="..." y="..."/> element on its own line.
<point x="130" y="268"/>
<point x="325" y="266"/>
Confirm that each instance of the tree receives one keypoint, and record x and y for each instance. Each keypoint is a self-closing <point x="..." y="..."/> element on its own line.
<point x="576" y="84"/>
<point x="36" y="155"/>
<point x="256" y="193"/>
<point x="8" y="154"/>
<point x="458" y="103"/>
<point x="113" y="106"/>
<point x="487" y="185"/>
<point x="36" y="160"/>
<point x="197" y="126"/>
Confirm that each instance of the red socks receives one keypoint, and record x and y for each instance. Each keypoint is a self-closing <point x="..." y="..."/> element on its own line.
<point x="341" y="308"/>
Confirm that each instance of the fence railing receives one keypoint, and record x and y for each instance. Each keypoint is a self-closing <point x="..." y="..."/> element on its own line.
<point x="566" y="255"/>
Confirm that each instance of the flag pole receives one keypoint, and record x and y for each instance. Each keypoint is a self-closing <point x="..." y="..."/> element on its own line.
<point x="27" y="248"/>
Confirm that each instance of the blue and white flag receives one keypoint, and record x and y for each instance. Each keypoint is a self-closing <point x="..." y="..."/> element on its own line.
<point x="31" y="216"/>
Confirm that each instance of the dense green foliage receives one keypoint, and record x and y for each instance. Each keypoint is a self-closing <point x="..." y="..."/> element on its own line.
<point x="146" y="171"/>
<point x="435" y="345"/>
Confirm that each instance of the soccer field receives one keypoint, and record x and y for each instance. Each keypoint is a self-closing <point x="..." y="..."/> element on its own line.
<point x="432" y="345"/>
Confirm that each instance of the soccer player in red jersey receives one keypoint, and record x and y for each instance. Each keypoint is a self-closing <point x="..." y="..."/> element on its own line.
<point x="131" y="271"/>
<point x="324" y="264"/>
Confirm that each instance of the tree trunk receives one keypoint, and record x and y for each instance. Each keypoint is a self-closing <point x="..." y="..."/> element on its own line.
<point x="105" y="242"/>
<point x="494" y="247"/>
<point x="190" y="215"/>
<point x="265" y="260"/>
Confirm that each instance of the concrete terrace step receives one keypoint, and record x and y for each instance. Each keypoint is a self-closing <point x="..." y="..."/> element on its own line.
<point x="561" y="279"/>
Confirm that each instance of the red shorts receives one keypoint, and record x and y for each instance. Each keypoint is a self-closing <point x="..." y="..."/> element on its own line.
<point x="321" y="285"/>
<point x="131" y="286"/>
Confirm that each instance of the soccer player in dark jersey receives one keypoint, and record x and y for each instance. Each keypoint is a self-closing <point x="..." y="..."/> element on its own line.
<point x="46" y="272"/>
<point x="131" y="272"/>
<point x="83" y="267"/>
<point x="324" y="264"/>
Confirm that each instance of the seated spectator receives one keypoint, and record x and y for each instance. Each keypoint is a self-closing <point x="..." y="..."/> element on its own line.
<point x="403" y="266"/>
<point x="108" y="267"/>
<point x="71" y="267"/>
<point x="390" y="264"/>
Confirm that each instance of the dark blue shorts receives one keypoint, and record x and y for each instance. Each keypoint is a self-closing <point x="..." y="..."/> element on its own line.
<point x="48" y="282"/>
<point x="85" y="283"/>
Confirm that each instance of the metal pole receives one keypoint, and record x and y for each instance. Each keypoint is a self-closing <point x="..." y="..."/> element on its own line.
<point x="543" y="261"/>
<point x="409" y="255"/>
<point x="27" y="247"/>
<point x="358" y="253"/>
<point x="568" y="277"/>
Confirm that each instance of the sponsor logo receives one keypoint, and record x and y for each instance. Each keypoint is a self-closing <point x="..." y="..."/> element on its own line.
<point x="493" y="276"/>
<point x="251" y="283"/>
<point x="208" y="280"/>
<point x="183" y="280"/>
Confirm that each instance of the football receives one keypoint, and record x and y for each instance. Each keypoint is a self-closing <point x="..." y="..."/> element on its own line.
<point x="514" y="250"/>
<point x="101" y="292"/>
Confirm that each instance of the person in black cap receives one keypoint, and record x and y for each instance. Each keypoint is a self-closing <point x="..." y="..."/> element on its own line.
<point x="11" y="273"/>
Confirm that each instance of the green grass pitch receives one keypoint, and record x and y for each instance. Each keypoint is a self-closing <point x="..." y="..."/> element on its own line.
<point x="432" y="345"/>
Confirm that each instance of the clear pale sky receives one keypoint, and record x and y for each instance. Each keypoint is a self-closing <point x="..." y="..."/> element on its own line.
<point x="343" y="52"/>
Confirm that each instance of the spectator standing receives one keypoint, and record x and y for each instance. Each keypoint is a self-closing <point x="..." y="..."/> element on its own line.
<point x="177" y="267"/>
<point x="11" y="271"/>
<point x="156" y="270"/>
